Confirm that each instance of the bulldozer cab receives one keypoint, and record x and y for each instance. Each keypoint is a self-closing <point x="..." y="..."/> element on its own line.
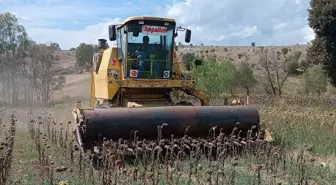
<point x="146" y="47"/>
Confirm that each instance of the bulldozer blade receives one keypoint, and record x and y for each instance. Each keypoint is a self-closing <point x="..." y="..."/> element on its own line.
<point x="116" y="123"/>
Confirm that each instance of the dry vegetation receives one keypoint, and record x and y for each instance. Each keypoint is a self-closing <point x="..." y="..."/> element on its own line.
<point x="77" y="83"/>
<point x="43" y="149"/>
<point x="37" y="145"/>
<point x="236" y="53"/>
<point x="7" y="134"/>
<point x="303" y="150"/>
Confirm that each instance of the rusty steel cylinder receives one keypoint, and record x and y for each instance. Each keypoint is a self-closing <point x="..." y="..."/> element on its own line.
<point x="118" y="123"/>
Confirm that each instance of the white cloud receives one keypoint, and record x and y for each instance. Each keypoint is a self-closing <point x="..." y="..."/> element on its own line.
<point x="225" y="22"/>
<point x="67" y="22"/>
<point x="241" y="22"/>
<point x="69" y="39"/>
<point x="309" y="32"/>
<point x="279" y="26"/>
<point x="246" y="32"/>
<point x="48" y="15"/>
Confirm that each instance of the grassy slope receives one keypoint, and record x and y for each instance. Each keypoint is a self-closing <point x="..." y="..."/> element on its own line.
<point x="77" y="85"/>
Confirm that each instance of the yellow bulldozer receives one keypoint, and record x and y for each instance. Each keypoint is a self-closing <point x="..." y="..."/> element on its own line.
<point x="132" y="88"/>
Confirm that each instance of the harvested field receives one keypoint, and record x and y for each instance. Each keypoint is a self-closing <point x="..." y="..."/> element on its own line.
<point x="303" y="151"/>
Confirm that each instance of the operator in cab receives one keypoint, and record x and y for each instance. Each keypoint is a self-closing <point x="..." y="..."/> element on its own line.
<point x="146" y="58"/>
<point x="142" y="54"/>
<point x="146" y="47"/>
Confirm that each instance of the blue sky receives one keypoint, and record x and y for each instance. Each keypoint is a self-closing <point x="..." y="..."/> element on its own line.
<point x="216" y="22"/>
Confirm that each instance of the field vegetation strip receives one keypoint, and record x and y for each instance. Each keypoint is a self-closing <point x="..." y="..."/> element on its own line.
<point x="302" y="152"/>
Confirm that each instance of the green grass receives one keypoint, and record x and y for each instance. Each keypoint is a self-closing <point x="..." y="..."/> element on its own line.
<point x="25" y="161"/>
<point x="301" y="127"/>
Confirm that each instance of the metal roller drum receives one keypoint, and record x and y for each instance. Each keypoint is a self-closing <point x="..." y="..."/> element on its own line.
<point x="119" y="122"/>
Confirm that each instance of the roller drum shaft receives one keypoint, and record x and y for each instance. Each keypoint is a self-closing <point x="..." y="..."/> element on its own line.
<point x="119" y="122"/>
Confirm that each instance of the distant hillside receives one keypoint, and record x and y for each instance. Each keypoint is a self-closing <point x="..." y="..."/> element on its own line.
<point x="233" y="52"/>
<point x="67" y="59"/>
<point x="77" y="84"/>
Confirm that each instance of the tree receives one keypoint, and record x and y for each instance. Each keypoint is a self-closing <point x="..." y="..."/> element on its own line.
<point x="58" y="83"/>
<point x="284" y="51"/>
<point x="231" y="77"/>
<point x="73" y="49"/>
<point x="188" y="59"/>
<point x="214" y="77"/>
<point x="43" y="78"/>
<point x="322" y="19"/>
<point x="13" y="42"/>
<point x="253" y="44"/>
<point x="304" y="64"/>
<point x="55" y="46"/>
<point x="278" y="69"/>
<point x="245" y="77"/>
<point x="84" y="54"/>
<point x="317" y="53"/>
<point x="292" y="63"/>
<point x="266" y="63"/>
<point x="315" y="80"/>
<point x="26" y="68"/>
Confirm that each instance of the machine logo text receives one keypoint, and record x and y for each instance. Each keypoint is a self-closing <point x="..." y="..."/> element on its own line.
<point x="157" y="30"/>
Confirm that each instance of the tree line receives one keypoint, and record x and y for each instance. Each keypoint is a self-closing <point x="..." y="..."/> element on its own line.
<point x="317" y="70"/>
<point x="84" y="53"/>
<point x="28" y="71"/>
<point x="217" y="76"/>
<point x="26" y="68"/>
<point x="322" y="19"/>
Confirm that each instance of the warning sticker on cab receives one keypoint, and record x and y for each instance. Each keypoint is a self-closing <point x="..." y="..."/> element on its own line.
<point x="155" y="30"/>
<point x="134" y="73"/>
